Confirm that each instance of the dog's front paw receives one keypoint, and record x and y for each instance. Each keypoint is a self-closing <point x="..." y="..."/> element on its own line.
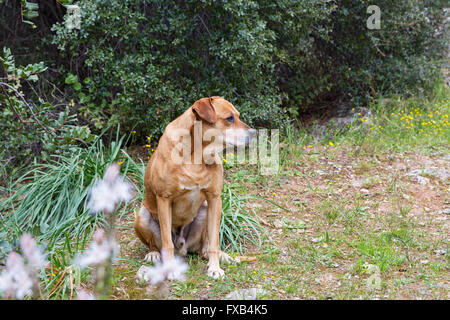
<point x="216" y="273"/>
<point x="153" y="256"/>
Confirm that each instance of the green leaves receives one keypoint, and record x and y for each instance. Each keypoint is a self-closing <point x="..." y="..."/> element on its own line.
<point x="238" y="225"/>
<point x="8" y="60"/>
<point x="71" y="79"/>
<point x="6" y="246"/>
<point x="29" y="11"/>
<point x="141" y="63"/>
<point x="29" y="72"/>
<point x="51" y="204"/>
<point x="147" y="71"/>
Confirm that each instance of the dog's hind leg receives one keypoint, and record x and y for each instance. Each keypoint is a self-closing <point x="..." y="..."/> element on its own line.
<point x="197" y="240"/>
<point x="192" y="234"/>
<point x="148" y="231"/>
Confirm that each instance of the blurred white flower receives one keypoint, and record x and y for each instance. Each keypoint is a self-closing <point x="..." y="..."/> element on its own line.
<point x="36" y="259"/>
<point x="99" y="250"/>
<point x="18" y="278"/>
<point x="109" y="191"/>
<point x="173" y="269"/>
<point x="85" y="295"/>
<point x="15" y="280"/>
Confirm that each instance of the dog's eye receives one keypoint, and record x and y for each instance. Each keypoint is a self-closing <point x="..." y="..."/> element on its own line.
<point x="230" y="119"/>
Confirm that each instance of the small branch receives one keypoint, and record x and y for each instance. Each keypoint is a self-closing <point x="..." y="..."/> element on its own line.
<point x="73" y="138"/>
<point x="59" y="127"/>
<point x="204" y="24"/>
<point x="26" y="103"/>
<point x="21" y="10"/>
<point x="14" y="109"/>
<point x="58" y="284"/>
<point x="381" y="52"/>
<point x="53" y="132"/>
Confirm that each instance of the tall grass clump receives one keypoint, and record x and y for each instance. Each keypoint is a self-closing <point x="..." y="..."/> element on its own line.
<point x="239" y="226"/>
<point x="49" y="200"/>
<point x="404" y="124"/>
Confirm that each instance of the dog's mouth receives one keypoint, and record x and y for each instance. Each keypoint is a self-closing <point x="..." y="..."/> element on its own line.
<point x="239" y="137"/>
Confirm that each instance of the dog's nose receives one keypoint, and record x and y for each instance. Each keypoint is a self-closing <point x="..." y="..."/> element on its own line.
<point x="252" y="132"/>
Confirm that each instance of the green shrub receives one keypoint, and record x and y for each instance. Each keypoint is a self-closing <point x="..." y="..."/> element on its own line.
<point x="144" y="62"/>
<point x="400" y="57"/>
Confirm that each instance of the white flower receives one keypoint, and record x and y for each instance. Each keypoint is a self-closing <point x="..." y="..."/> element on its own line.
<point x="18" y="278"/>
<point x="36" y="259"/>
<point x="15" y="280"/>
<point x="109" y="191"/>
<point x="85" y="295"/>
<point x="173" y="269"/>
<point x="99" y="250"/>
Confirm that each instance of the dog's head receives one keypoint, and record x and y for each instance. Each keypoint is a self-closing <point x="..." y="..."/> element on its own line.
<point x="220" y="114"/>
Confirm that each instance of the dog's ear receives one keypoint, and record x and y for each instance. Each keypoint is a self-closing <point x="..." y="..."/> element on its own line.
<point x="203" y="109"/>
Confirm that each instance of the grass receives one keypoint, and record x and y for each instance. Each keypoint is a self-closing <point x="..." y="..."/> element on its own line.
<point x="49" y="203"/>
<point x="238" y="226"/>
<point x="402" y="125"/>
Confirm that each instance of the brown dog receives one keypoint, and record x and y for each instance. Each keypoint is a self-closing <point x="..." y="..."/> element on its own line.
<point x="182" y="207"/>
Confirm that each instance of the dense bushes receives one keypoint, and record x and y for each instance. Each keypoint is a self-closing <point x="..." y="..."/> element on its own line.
<point x="400" y="57"/>
<point x="140" y="63"/>
<point x="143" y="62"/>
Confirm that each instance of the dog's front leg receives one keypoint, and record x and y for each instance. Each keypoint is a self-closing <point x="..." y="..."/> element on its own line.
<point x="214" y="212"/>
<point x="165" y="224"/>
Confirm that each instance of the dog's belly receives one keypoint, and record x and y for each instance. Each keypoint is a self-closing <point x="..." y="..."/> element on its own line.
<point x="185" y="207"/>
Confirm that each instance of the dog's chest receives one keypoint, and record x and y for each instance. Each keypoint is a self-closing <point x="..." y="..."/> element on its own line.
<point x="193" y="193"/>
